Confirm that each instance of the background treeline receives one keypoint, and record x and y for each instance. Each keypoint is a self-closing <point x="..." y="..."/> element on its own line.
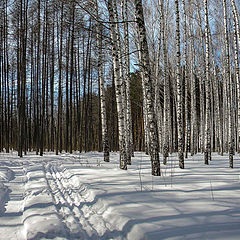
<point x="160" y="76"/>
<point x="43" y="46"/>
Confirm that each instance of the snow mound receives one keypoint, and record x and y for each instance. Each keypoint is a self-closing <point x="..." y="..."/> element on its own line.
<point x="4" y="196"/>
<point x="97" y="217"/>
<point x="40" y="215"/>
<point x="43" y="223"/>
<point x="6" y="174"/>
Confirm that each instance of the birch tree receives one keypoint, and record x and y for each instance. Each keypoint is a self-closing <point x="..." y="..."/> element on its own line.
<point x="236" y="37"/>
<point x="123" y="83"/>
<point x="118" y="87"/>
<point x="145" y="68"/>
<point x="228" y="85"/>
<point x="186" y="79"/>
<point x="207" y="150"/>
<point x="179" y="90"/>
<point x="166" y="115"/>
<point x="129" y="136"/>
<point x="102" y="89"/>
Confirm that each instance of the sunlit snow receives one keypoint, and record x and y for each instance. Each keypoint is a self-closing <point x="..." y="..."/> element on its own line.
<point x="79" y="196"/>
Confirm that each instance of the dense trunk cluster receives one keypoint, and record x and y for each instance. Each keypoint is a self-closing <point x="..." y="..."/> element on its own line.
<point x="120" y="75"/>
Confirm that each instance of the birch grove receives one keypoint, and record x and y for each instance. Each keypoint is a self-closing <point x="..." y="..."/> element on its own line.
<point x="159" y="76"/>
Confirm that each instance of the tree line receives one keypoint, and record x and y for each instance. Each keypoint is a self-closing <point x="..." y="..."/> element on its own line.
<point x="158" y="76"/>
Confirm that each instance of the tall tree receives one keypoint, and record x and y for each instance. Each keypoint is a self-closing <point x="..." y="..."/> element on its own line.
<point x="118" y="86"/>
<point x="102" y="89"/>
<point x="179" y="90"/>
<point x="236" y="36"/>
<point x="228" y="80"/>
<point x="71" y="77"/>
<point x="207" y="151"/>
<point x="148" y="84"/>
<point x="166" y="115"/>
<point x="129" y="136"/>
<point x="59" y="121"/>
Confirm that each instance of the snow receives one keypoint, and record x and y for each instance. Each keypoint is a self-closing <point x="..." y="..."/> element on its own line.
<point x="79" y="196"/>
<point x="3" y="197"/>
<point x="5" y="175"/>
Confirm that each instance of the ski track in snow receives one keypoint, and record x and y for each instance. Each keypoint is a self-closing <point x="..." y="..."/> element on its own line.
<point x="67" y="205"/>
<point x="83" y="221"/>
<point x="41" y="196"/>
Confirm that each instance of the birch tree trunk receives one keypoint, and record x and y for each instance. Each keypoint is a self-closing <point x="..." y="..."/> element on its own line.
<point x="194" y="130"/>
<point x="102" y="90"/>
<point x="145" y="119"/>
<point x="201" y="75"/>
<point x="207" y="150"/>
<point x="179" y="91"/>
<point x="229" y="86"/>
<point x="187" y="125"/>
<point x="127" y="79"/>
<point x="218" y="121"/>
<point x="123" y="82"/>
<point x="236" y="18"/>
<point x="157" y="103"/>
<point x="194" y="141"/>
<point x="236" y="35"/>
<point x="166" y="115"/>
<point x="118" y="87"/>
<point x="145" y="68"/>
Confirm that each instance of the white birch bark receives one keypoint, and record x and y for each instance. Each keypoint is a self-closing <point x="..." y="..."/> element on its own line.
<point x="129" y="135"/>
<point x="118" y="86"/>
<point x="145" y="67"/>
<point x="187" y="125"/>
<point x="237" y="77"/>
<point x="179" y="90"/>
<point x="207" y="150"/>
<point x="229" y="86"/>
<point x="193" y="96"/>
<point x="145" y="119"/>
<point x="123" y="81"/>
<point x="166" y="113"/>
<point x="102" y="89"/>
<point x="236" y="18"/>
<point x="224" y="108"/>
<point x="218" y="122"/>
<point x="201" y="76"/>
<point x="192" y="53"/>
<point x="157" y="104"/>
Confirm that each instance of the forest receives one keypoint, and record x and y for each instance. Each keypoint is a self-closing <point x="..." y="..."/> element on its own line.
<point x="158" y="76"/>
<point x="119" y="119"/>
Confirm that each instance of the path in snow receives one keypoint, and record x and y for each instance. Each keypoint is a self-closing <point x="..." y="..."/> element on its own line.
<point x="81" y="218"/>
<point x="66" y="206"/>
<point x="44" y="203"/>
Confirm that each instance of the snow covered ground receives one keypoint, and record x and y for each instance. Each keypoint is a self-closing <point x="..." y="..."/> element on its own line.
<point x="79" y="196"/>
